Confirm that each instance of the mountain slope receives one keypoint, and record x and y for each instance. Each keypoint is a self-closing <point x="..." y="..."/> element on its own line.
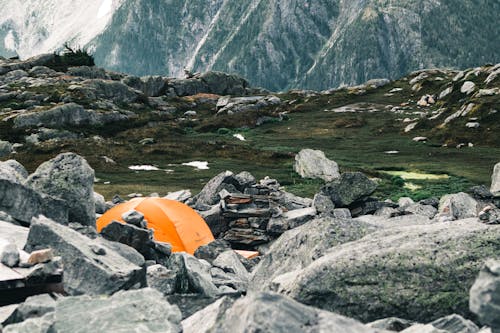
<point x="277" y="44"/>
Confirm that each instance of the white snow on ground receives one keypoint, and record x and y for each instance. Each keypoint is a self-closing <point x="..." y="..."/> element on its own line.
<point x="105" y="9"/>
<point x="9" y="41"/>
<point x="201" y="165"/>
<point x="143" y="168"/>
<point x="43" y="26"/>
<point x="239" y="137"/>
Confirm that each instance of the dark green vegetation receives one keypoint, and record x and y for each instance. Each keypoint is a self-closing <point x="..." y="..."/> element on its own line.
<point x="70" y="57"/>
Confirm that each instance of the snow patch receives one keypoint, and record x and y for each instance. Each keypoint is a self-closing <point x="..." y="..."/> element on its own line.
<point x="10" y="41"/>
<point x="200" y="165"/>
<point x="239" y="137"/>
<point x="105" y="9"/>
<point x="143" y="168"/>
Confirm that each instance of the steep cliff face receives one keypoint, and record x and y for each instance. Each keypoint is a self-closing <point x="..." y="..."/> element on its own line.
<point x="276" y="44"/>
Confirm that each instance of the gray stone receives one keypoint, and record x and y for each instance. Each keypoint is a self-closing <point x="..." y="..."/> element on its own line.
<point x="290" y="220"/>
<point x="212" y="250"/>
<point x="42" y="71"/>
<point x="314" y="164"/>
<point x="214" y="219"/>
<point x="139" y="239"/>
<point x="297" y="248"/>
<point x="23" y="203"/>
<point x="342" y="213"/>
<point x="133" y="217"/>
<point x="181" y="195"/>
<point x="458" y="206"/>
<point x="323" y="204"/>
<point x="229" y="271"/>
<point x="391" y="324"/>
<point x="162" y="279"/>
<point x="244" y="179"/>
<point x="91" y="266"/>
<point x="468" y="87"/>
<point x="113" y="90"/>
<point x="420" y="328"/>
<point x="32" y="307"/>
<point x="209" y="195"/>
<point x="70" y="178"/>
<point x="224" y="84"/>
<point x="388" y="273"/>
<point x="9" y="253"/>
<point x="14" y="233"/>
<point x="67" y="114"/>
<point x="18" y="168"/>
<point x="193" y="275"/>
<point x="350" y="187"/>
<point x="495" y="180"/>
<point x="203" y="320"/>
<point x="456" y="324"/>
<point x="143" y="310"/>
<point x="42" y="324"/>
<point x="404" y="202"/>
<point x="100" y="203"/>
<point x="5" y="148"/>
<point x="269" y="312"/>
<point x="88" y="72"/>
<point x="422" y="210"/>
<point x="485" y="295"/>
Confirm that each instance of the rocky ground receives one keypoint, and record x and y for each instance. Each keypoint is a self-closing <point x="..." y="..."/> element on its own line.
<point x="433" y="121"/>
<point x="344" y="259"/>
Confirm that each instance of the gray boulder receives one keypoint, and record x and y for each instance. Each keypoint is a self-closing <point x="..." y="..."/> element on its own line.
<point x="5" y="148"/>
<point x="350" y="187"/>
<point x="67" y="114"/>
<point x="209" y="195"/>
<point x="421" y="328"/>
<point x="456" y="324"/>
<point x="290" y="220"/>
<point x="314" y="164"/>
<point x="458" y="206"/>
<point x="495" y="180"/>
<point x="70" y="178"/>
<point x="32" y="307"/>
<point x="15" y="167"/>
<point x="42" y="324"/>
<point x="91" y="266"/>
<point x="485" y="295"/>
<point x="391" y="324"/>
<point x="229" y="271"/>
<point x="192" y="275"/>
<point x="417" y="272"/>
<point x="269" y="313"/>
<point x="323" y="204"/>
<point x="224" y="84"/>
<point x="14" y="233"/>
<point x="113" y="90"/>
<point x="9" y="253"/>
<point x="162" y="279"/>
<point x="100" y="203"/>
<point x="299" y="247"/>
<point x="23" y="203"/>
<point x="143" y="310"/>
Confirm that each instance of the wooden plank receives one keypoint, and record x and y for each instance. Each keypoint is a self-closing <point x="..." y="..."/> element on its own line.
<point x="7" y="274"/>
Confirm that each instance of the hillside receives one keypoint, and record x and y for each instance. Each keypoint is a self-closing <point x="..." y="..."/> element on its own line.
<point x="275" y="44"/>
<point x="432" y="121"/>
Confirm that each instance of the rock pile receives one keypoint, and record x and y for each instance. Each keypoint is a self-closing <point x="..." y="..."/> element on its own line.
<point x="405" y="266"/>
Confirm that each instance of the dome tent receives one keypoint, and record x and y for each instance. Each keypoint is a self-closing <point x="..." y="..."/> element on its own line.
<point x="173" y="222"/>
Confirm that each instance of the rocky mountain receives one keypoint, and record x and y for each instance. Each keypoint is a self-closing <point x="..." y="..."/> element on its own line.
<point x="315" y="44"/>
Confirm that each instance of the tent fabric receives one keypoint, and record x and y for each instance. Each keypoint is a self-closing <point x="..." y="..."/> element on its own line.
<point x="173" y="222"/>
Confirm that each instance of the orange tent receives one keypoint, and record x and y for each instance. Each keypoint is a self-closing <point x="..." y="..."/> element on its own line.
<point x="173" y="222"/>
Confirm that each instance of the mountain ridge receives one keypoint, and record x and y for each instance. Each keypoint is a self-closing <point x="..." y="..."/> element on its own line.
<point x="276" y="44"/>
